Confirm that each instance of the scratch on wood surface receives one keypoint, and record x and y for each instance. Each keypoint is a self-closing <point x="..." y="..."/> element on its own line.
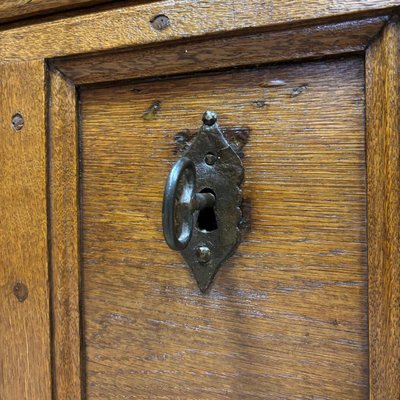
<point x="273" y="83"/>
<point x="259" y="103"/>
<point x="299" y="90"/>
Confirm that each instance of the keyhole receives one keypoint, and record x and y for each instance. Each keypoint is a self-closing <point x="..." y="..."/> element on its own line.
<point x="207" y="220"/>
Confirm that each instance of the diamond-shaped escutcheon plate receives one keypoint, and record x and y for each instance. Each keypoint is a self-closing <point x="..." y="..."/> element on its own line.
<point x="201" y="210"/>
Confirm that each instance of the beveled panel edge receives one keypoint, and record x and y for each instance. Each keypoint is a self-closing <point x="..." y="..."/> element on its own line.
<point x="294" y="44"/>
<point x="64" y="237"/>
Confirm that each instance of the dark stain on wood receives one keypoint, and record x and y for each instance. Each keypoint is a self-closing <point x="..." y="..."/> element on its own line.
<point x="236" y="136"/>
<point x="259" y="103"/>
<point x="299" y="90"/>
<point x="245" y="222"/>
<point x="20" y="291"/>
<point x="152" y="111"/>
<point x="183" y="140"/>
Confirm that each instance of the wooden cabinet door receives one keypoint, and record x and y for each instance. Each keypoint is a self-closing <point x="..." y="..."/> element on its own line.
<point x="96" y="107"/>
<point x="286" y="316"/>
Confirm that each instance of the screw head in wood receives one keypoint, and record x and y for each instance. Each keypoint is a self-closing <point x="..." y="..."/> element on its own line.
<point x="17" y="121"/>
<point x="160" y="22"/>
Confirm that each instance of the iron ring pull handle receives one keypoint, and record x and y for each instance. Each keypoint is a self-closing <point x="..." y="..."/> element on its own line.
<point x="178" y="231"/>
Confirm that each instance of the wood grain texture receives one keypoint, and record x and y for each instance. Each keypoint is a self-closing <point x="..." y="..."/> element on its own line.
<point x="24" y="321"/>
<point x="286" y="317"/>
<point x="130" y="26"/>
<point x="63" y="183"/>
<point x="17" y="9"/>
<point x="300" y="43"/>
<point x="383" y="138"/>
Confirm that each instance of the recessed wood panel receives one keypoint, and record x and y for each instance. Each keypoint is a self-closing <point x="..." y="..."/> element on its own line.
<point x="286" y="316"/>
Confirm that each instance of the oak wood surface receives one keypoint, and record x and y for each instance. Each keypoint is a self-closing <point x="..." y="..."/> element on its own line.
<point x="287" y="315"/>
<point x="300" y="43"/>
<point x="64" y="212"/>
<point x="130" y="26"/>
<point x="383" y="138"/>
<point x="24" y="360"/>
<point x="16" y="9"/>
<point x="24" y="294"/>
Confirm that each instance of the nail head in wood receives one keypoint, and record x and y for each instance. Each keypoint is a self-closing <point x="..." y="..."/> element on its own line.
<point x="160" y="22"/>
<point x="17" y="121"/>
<point x="20" y="291"/>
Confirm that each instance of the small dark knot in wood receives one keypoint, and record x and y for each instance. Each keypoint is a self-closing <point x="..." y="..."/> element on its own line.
<point x="160" y="22"/>
<point x="17" y="121"/>
<point x="20" y="291"/>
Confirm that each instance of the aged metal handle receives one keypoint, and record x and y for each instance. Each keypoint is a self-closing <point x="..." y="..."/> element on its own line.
<point x="202" y="197"/>
<point x="178" y="228"/>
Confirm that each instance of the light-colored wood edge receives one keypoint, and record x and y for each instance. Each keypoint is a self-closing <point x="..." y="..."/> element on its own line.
<point x="17" y="9"/>
<point x="383" y="162"/>
<point x="24" y="306"/>
<point x="130" y="26"/>
<point x="300" y="43"/>
<point x="64" y="233"/>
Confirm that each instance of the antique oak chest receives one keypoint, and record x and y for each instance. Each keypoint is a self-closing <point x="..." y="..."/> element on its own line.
<point x="259" y="140"/>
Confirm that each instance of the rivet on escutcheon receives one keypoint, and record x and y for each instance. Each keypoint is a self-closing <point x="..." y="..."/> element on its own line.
<point x="210" y="159"/>
<point x="209" y="118"/>
<point x="203" y="254"/>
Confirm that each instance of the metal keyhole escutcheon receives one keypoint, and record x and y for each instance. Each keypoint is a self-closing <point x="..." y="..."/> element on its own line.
<point x="201" y="206"/>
